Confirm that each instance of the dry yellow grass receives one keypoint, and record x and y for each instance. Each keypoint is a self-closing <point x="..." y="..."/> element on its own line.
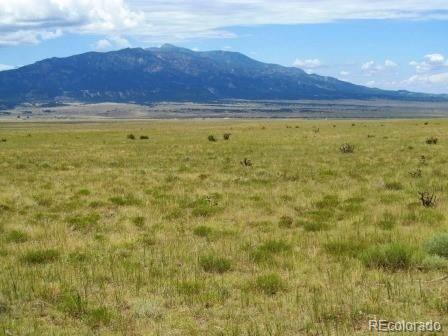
<point x="173" y="235"/>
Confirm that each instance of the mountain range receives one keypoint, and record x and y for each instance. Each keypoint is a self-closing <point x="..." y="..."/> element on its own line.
<point x="170" y="73"/>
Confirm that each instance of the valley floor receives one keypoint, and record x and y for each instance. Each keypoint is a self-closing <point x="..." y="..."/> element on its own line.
<point x="165" y="228"/>
<point x="304" y="109"/>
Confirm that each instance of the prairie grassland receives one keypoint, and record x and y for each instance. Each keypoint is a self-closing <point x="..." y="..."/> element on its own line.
<point x="275" y="231"/>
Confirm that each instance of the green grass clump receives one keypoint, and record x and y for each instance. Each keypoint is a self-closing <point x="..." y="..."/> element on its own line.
<point x="269" y="284"/>
<point x="438" y="245"/>
<point x="274" y="246"/>
<point x="341" y="247"/>
<point x="40" y="256"/>
<point x="72" y="303"/>
<point x="189" y="287"/>
<point x="203" y="231"/>
<point x="215" y="264"/>
<point x="125" y="200"/>
<point x="204" y="207"/>
<point x="265" y="251"/>
<point x="314" y="226"/>
<point x="328" y="202"/>
<point x="84" y="222"/>
<point x="387" y="222"/>
<point x="83" y="192"/>
<point x="392" y="256"/>
<point x="98" y="317"/>
<point x="393" y="185"/>
<point x="16" y="236"/>
<point x="285" y="222"/>
<point x="139" y="221"/>
<point x="434" y="262"/>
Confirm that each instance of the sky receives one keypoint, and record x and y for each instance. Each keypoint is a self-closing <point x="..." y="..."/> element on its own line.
<point x="400" y="44"/>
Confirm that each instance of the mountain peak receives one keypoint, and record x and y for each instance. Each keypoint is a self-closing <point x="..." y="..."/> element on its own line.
<point x="169" y="46"/>
<point x="172" y="47"/>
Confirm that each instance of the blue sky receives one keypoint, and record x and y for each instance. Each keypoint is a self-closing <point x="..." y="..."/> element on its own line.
<point x="372" y="43"/>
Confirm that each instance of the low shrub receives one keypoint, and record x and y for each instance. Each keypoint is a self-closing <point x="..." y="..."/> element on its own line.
<point x="438" y="245"/>
<point x="130" y="136"/>
<point x="246" y="163"/>
<point x="427" y="199"/>
<point x="212" y="138"/>
<point x="393" y="256"/>
<point x="347" y="148"/>
<point x="417" y="173"/>
<point x="434" y="262"/>
<point x="432" y="141"/>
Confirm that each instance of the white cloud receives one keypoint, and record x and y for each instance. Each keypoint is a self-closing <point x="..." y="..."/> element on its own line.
<point x="102" y="45"/>
<point x="344" y="73"/>
<point x="430" y="62"/>
<point x="308" y="64"/>
<point x="434" y="79"/>
<point x="368" y="66"/>
<point x="4" y="67"/>
<point x="31" y="21"/>
<point x="372" y="67"/>
<point x="112" y="42"/>
<point x="390" y="64"/>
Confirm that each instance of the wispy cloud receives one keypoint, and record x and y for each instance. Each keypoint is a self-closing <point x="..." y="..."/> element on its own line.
<point x="434" y="79"/>
<point x="30" y="21"/>
<point x="430" y="62"/>
<point x="372" y="67"/>
<point x="111" y="43"/>
<point x="308" y="64"/>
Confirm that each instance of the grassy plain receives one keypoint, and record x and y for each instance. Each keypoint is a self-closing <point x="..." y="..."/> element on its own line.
<point x="272" y="232"/>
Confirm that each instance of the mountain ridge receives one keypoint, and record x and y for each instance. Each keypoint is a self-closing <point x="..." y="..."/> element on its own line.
<point x="170" y="73"/>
